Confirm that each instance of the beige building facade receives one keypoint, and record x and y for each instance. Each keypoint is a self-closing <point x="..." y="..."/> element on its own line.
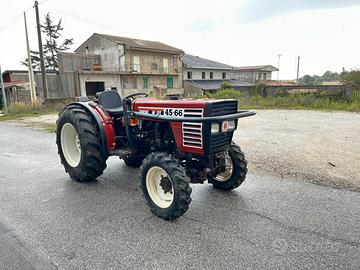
<point x="126" y="65"/>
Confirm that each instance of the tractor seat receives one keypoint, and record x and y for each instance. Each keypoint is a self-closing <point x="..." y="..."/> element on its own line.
<point x="111" y="101"/>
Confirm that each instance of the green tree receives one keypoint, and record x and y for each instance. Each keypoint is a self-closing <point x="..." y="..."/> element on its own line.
<point x="352" y="79"/>
<point x="35" y="60"/>
<point x="52" y="46"/>
<point x="225" y="85"/>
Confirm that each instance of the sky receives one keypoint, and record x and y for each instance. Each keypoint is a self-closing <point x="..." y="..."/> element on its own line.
<point x="324" y="33"/>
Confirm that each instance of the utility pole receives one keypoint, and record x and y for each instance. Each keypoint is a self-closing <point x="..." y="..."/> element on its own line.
<point x="31" y="72"/>
<point x="279" y="55"/>
<point x="4" y="101"/>
<point x="41" y="52"/>
<point x="297" y="73"/>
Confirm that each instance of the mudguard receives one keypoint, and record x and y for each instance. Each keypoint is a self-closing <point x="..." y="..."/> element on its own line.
<point x="104" y="122"/>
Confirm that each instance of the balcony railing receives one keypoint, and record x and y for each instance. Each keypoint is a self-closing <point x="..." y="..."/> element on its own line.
<point x="148" y="69"/>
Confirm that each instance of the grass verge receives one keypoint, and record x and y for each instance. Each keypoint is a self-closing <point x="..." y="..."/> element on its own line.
<point x="20" y="110"/>
<point x="316" y="101"/>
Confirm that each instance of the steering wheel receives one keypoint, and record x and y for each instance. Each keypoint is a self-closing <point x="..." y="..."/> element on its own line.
<point x="133" y="96"/>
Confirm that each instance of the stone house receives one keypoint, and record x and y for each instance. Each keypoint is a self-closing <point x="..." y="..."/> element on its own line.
<point x="124" y="64"/>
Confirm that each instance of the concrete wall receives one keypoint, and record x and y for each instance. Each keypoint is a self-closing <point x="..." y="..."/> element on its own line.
<point x="53" y="80"/>
<point x="135" y="83"/>
<point x="148" y="61"/>
<point x="110" y="80"/>
<point x="70" y="62"/>
<point x="197" y="74"/>
<point x="68" y="84"/>
<point x="109" y="51"/>
<point x="191" y="90"/>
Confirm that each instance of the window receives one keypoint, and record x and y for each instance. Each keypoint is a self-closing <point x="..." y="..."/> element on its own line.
<point x="170" y="82"/>
<point x="189" y="75"/>
<point x="264" y="77"/>
<point x="146" y="83"/>
<point x="259" y="76"/>
<point x="224" y="75"/>
<point x="166" y="65"/>
<point x="153" y="66"/>
<point x="136" y="64"/>
<point x="211" y="75"/>
<point x="203" y="75"/>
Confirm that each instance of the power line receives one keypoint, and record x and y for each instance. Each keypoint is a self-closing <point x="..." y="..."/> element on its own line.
<point x="95" y="23"/>
<point x="14" y="19"/>
<point x="17" y="17"/>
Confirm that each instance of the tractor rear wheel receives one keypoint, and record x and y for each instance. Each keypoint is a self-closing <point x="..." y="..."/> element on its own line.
<point x="235" y="170"/>
<point x="165" y="186"/>
<point x="79" y="144"/>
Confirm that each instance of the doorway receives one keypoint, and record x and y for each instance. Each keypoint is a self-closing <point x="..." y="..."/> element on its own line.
<point x="93" y="87"/>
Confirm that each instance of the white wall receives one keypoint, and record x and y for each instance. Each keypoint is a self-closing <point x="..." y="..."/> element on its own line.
<point x="197" y="74"/>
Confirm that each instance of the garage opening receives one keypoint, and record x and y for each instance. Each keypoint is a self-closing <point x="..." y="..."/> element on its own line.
<point x="93" y="87"/>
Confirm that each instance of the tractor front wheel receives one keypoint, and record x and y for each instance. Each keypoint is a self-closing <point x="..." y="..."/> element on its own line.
<point x="165" y="186"/>
<point x="79" y="144"/>
<point x="235" y="170"/>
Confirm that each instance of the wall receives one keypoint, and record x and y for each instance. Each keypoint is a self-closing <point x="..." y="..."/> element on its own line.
<point x="109" y="51"/>
<point x="110" y="80"/>
<point x="149" y="58"/>
<point x="70" y="62"/>
<point x="197" y="74"/>
<point x="191" y="90"/>
<point x="53" y="80"/>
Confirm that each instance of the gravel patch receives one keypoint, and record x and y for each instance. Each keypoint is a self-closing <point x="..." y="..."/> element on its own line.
<point x="319" y="147"/>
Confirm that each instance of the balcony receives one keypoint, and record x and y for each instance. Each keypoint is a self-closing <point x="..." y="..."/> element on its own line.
<point x="149" y="69"/>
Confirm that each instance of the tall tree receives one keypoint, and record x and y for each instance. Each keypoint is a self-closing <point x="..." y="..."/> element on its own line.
<point x="52" y="46"/>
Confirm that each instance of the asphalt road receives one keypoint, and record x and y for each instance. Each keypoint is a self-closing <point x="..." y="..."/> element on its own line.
<point x="48" y="221"/>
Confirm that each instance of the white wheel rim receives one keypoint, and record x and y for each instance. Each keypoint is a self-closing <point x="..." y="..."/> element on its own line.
<point x="224" y="176"/>
<point x="157" y="185"/>
<point x="70" y="145"/>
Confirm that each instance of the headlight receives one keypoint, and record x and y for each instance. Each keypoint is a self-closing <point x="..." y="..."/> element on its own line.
<point x="232" y="124"/>
<point x="215" y="128"/>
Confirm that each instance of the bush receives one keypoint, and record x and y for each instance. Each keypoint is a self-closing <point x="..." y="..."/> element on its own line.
<point x="226" y="94"/>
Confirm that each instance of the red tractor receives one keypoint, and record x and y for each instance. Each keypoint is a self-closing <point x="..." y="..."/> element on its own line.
<point x="176" y="142"/>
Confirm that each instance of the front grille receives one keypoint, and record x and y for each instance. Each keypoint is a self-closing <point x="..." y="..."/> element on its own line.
<point x="192" y="132"/>
<point x="223" y="107"/>
<point x="220" y="142"/>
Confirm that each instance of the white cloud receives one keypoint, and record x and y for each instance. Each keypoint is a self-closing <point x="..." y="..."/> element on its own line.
<point x="324" y="38"/>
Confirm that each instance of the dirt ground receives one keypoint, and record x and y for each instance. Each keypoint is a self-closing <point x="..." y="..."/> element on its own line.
<point x="319" y="147"/>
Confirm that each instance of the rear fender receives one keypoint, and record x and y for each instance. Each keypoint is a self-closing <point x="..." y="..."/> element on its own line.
<point x="104" y="122"/>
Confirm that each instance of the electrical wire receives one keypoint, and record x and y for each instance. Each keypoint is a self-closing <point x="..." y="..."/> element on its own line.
<point x="17" y="17"/>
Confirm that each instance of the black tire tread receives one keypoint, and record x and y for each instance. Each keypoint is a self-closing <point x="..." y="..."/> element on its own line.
<point x="93" y="160"/>
<point x="133" y="161"/>
<point x="239" y="170"/>
<point x="179" y="179"/>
